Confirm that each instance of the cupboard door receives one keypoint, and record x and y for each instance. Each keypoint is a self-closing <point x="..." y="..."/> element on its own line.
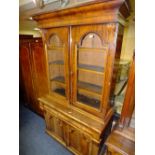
<point x="74" y="139"/>
<point x="57" y="58"/>
<point x="79" y="142"/>
<point x="85" y="145"/>
<point x="56" y="127"/>
<point x="49" y="122"/>
<point x="88" y="65"/>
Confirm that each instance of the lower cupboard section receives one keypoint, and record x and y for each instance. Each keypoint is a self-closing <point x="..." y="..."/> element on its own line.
<point x="73" y="138"/>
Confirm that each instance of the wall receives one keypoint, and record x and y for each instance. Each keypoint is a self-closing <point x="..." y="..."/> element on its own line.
<point x="31" y="32"/>
<point x="128" y="45"/>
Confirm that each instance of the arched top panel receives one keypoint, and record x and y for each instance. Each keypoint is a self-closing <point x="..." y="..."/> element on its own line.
<point x="54" y="40"/>
<point x="91" y="40"/>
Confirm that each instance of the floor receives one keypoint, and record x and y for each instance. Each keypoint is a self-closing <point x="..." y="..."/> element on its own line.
<point x="32" y="137"/>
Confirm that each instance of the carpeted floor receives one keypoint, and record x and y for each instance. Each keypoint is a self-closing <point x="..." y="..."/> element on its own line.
<point x="32" y="137"/>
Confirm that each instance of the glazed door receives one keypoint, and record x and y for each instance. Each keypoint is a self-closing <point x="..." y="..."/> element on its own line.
<point x="89" y="58"/>
<point x="57" y="58"/>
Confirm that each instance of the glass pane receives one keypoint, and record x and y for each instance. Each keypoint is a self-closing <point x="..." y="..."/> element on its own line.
<point x="90" y="71"/>
<point x="56" y="65"/>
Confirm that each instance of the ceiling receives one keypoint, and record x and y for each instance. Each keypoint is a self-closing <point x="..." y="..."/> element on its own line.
<point x="23" y="2"/>
<point x="27" y="8"/>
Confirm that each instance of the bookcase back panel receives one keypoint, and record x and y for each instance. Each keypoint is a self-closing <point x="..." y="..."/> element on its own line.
<point x="55" y="56"/>
<point x="91" y="40"/>
<point x="55" y="41"/>
<point x="56" y="71"/>
<point x="90" y="56"/>
<point x="90" y="78"/>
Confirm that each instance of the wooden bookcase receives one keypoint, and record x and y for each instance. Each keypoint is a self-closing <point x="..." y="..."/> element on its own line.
<point x="81" y="44"/>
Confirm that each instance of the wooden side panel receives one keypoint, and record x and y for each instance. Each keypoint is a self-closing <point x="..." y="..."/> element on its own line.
<point x="39" y="69"/>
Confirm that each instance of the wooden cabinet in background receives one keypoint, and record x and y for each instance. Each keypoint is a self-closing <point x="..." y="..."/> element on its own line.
<point x="33" y="81"/>
<point x="122" y="140"/>
<point x="81" y="45"/>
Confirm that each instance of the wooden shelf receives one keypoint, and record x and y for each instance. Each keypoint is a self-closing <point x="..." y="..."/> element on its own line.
<point x="57" y="62"/>
<point x="85" y="49"/>
<point x="88" y="101"/>
<point x="55" y="48"/>
<point x="60" y="91"/>
<point x="60" y="80"/>
<point x="90" y="88"/>
<point x="91" y="68"/>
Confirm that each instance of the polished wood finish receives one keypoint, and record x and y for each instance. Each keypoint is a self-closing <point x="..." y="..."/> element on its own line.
<point x="129" y="101"/>
<point x="32" y="71"/>
<point x="72" y="127"/>
<point x="80" y="45"/>
<point x="103" y="12"/>
<point x="119" y="145"/>
<point x="26" y="83"/>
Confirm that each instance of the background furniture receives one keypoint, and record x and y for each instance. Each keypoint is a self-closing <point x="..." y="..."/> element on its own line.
<point x="32" y="71"/>
<point x="122" y="140"/>
<point x="81" y="45"/>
